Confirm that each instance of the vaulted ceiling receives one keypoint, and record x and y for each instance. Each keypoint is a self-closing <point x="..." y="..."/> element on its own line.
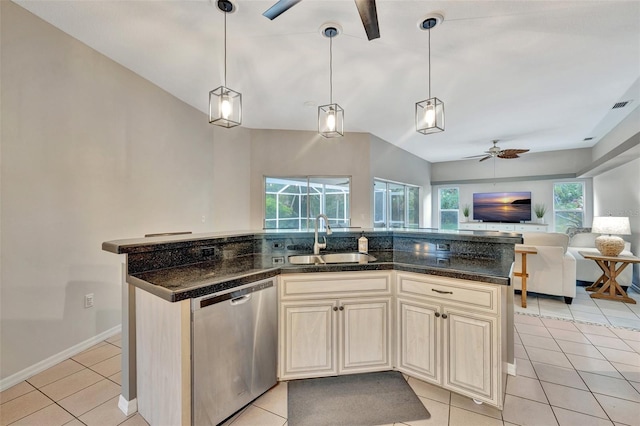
<point x="542" y="75"/>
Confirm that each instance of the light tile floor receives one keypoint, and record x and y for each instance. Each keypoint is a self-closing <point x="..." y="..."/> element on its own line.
<point x="570" y="372"/>
<point x="584" y="308"/>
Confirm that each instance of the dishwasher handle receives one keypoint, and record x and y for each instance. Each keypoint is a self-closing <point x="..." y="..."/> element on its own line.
<point x="236" y="297"/>
<point x="240" y="300"/>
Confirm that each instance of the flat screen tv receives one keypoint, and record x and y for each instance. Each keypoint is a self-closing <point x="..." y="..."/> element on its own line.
<point x="509" y="207"/>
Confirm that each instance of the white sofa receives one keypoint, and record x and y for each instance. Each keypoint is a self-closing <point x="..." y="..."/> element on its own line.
<point x="587" y="269"/>
<point x="552" y="270"/>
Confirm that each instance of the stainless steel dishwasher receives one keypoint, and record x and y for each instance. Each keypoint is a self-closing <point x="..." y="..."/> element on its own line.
<point x="235" y="337"/>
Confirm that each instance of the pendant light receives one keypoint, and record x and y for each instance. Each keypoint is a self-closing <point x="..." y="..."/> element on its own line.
<point x="225" y="104"/>
<point x="330" y="116"/>
<point x="430" y="112"/>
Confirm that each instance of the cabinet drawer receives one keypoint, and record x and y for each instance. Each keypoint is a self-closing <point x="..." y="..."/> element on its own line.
<point x="339" y="284"/>
<point x="479" y="296"/>
<point x="531" y="228"/>
<point x="500" y="227"/>
<point x="473" y="226"/>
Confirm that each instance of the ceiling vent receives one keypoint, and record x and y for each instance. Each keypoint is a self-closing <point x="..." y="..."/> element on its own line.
<point x="620" y="105"/>
<point x="588" y="139"/>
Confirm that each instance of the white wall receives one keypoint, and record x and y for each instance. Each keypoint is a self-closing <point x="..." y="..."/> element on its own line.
<point x="392" y="163"/>
<point x="616" y="193"/>
<point x="554" y="163"/>
<point x="541" y="193"/>
<point x="92" y="152"/>
<point x="619" y="134"/>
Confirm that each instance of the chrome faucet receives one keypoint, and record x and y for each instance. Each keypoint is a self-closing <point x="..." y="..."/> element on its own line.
<point x="316" y="245"/>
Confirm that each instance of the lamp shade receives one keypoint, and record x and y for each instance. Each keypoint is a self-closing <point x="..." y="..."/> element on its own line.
<point x="611" y="225"/>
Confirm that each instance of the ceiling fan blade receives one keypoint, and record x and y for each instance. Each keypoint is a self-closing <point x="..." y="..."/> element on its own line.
<point x="513" y="151"/>
<point x="485" y="158"/>
<point x="369" y="17"/>
<point x="508" y="156"/>
<point x="476" y="156"/>
<point x="279" y="8"/>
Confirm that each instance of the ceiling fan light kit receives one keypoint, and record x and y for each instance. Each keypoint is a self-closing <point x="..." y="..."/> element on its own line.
<point x="225" y="104"/>
<point x="330" y="116"/>
<point x="430" y="112"/>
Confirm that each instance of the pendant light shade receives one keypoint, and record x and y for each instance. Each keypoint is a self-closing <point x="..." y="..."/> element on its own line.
<point x="330" y="116"/>
<point x="225" y="107"/>
<point x="430" y="112"/>
<point x="430" y="116"/>
<point x="331" y="121"/>
<point x="225" y="104"/>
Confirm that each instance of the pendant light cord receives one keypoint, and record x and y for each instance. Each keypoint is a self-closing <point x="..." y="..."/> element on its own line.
<point x="429" y="38"/>
<point x="331" y="69"/>
<point x="224" y="77"/>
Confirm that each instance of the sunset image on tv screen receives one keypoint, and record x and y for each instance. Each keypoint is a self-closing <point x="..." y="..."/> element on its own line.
<point x="502" y="206"/>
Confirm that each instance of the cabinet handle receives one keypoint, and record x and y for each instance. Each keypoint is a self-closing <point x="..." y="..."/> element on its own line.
<point x="441" y="292"/>
<point x="342" y="308"/>
<point x="335" y="308"/>
<point x="437" y="314"/>
<point x="444" y="316"/>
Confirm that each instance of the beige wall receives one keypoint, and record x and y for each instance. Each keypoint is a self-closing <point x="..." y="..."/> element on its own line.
<point x="92" y="152"/>
<point x="302" y="153"/>
<point x="359" y="155"/>
<point x="392" y="163"/>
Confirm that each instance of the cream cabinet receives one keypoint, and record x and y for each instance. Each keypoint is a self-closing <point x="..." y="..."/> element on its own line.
<point x="334" y="323"/>
<point x="449" y="332"/>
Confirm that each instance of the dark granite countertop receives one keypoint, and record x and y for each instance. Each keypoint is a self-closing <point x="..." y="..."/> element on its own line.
<point x="199" y="279"/>
<point x="139" y="245"/>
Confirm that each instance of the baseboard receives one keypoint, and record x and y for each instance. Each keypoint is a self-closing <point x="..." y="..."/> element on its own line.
<point x="20" y="376"/>
<point x="127" y="407"/>
<point x="511" y="368"/>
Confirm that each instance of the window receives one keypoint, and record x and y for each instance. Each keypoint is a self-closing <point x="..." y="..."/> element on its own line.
<point x="449" y="204"/>
<point x="294" y="202"/>
<point x="568" y="205"/>
<point x="395" y="205"/>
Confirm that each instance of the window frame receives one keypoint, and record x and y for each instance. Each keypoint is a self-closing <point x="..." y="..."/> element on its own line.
<point x="308" y="220"/>
<point x="387" y="205"/>
<point x="578" y="210"/>
<point x="441" y="210"/>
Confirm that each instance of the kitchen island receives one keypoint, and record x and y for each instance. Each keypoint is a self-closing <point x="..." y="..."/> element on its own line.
<point x="168" y="272"/>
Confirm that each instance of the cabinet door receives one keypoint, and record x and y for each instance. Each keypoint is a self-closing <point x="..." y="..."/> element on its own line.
<point x="419" y="337"/>
<point x="471" y="356"/>
<point x="364" y="335"/>
<point x="307" y="339"/>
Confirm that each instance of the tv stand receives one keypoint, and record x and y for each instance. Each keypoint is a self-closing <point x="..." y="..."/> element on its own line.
<point x="503" y="227"/>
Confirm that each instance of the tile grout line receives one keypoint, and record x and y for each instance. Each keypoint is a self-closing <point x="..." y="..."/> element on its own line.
<point x="584" y="382"/>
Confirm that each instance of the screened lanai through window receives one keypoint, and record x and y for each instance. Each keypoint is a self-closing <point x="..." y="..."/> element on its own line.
<point x="294" y="202"/>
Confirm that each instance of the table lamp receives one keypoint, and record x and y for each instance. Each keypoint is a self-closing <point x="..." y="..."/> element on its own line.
<point x="610" y="245"/>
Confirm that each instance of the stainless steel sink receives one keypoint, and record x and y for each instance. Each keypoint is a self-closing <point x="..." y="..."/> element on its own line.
<point x="319" y="259"/>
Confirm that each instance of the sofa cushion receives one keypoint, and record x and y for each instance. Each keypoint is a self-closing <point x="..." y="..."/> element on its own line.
<point x="584" y="240"/>
<point x="546" y="239"/>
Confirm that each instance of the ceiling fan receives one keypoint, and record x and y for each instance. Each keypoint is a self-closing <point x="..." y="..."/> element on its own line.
<point x="366" y="9"/>
<point x="495" y="151"/>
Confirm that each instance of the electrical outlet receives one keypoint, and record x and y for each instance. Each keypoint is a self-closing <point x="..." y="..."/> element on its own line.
<point x="208" y="251"/>
<point x="442" y="247"/>
<point x="88" y="300"/>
